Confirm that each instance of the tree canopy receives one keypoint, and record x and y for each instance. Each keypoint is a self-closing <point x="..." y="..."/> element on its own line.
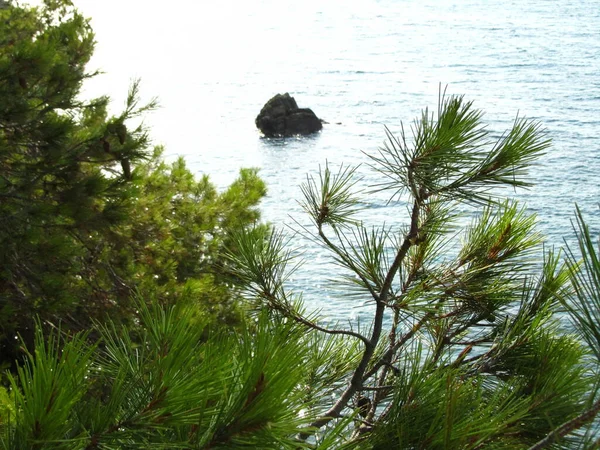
<point x="89" y="212"/>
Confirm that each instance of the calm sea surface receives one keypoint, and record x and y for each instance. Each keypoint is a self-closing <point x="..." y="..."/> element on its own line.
<point x="364" y="65"/>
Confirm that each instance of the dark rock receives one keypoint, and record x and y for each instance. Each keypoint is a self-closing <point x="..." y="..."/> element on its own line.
<point x="281" y="117"/>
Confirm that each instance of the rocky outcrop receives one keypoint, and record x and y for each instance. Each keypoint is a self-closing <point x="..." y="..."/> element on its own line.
<point x="281" y="117"/>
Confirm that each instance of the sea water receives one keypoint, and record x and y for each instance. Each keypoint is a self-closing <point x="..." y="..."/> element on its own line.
<point x="361" y="66"/>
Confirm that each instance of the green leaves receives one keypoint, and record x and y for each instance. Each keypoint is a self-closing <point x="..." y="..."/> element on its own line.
<point x="462" y="347"/>
<point x="89" y="213"/>
<point x="47" y="389"/>
<point x="447" y="410"/>
<point x="260" y="262"/>
<point x="498" y="236"/>
<point x="508" y="161"/>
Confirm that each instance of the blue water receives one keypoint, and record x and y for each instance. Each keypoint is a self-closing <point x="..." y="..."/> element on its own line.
<point x="365" y="65"/>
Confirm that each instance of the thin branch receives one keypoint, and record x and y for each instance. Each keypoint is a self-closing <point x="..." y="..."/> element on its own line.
<point x="406" y="244"/>
<point x="571" y="425"/>
<point x="356" y="383"/>
<point x="316" y="327"/>
<point x="344" y="256"/>
<point x="378" y="388"/>
<point x="398" y="344"/>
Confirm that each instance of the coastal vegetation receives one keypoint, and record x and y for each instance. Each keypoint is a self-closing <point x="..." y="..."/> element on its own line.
<point x="90" y="214"/>
<point x="142" y="308"/>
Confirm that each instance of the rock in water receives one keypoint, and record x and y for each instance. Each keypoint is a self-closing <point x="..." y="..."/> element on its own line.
<point x="281" y="117"/>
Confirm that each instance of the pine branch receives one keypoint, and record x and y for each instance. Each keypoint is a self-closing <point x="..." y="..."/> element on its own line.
<point x="392" y="350"/>
<point x="356" y="381"/>
<point x="290" y="313"/>
<point x="349" y="263"/>
<point x="567" y="427"/>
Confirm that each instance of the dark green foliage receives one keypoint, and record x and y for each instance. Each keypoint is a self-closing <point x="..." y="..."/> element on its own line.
<point x="89" y="214"/>
<point x="448" y="409"/>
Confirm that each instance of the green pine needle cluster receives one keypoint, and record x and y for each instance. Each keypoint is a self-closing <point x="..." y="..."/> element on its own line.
<point x="168" y="386"/>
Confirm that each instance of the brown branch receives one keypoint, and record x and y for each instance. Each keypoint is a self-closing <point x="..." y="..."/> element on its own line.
<point x="406" y="244"/>
<point x="380" y="394"/>
<point x="298" y="318"/>
<point x="571" y="425"/>
<point x="356" y="381"/>
<point x="398" y="344"/>
<point x="287" y="311"/>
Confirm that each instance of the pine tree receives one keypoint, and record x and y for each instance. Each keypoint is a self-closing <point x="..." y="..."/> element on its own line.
<point x="89" y="214"/>
<point x="464" y="347"/>
<point x="170" y="386"/>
